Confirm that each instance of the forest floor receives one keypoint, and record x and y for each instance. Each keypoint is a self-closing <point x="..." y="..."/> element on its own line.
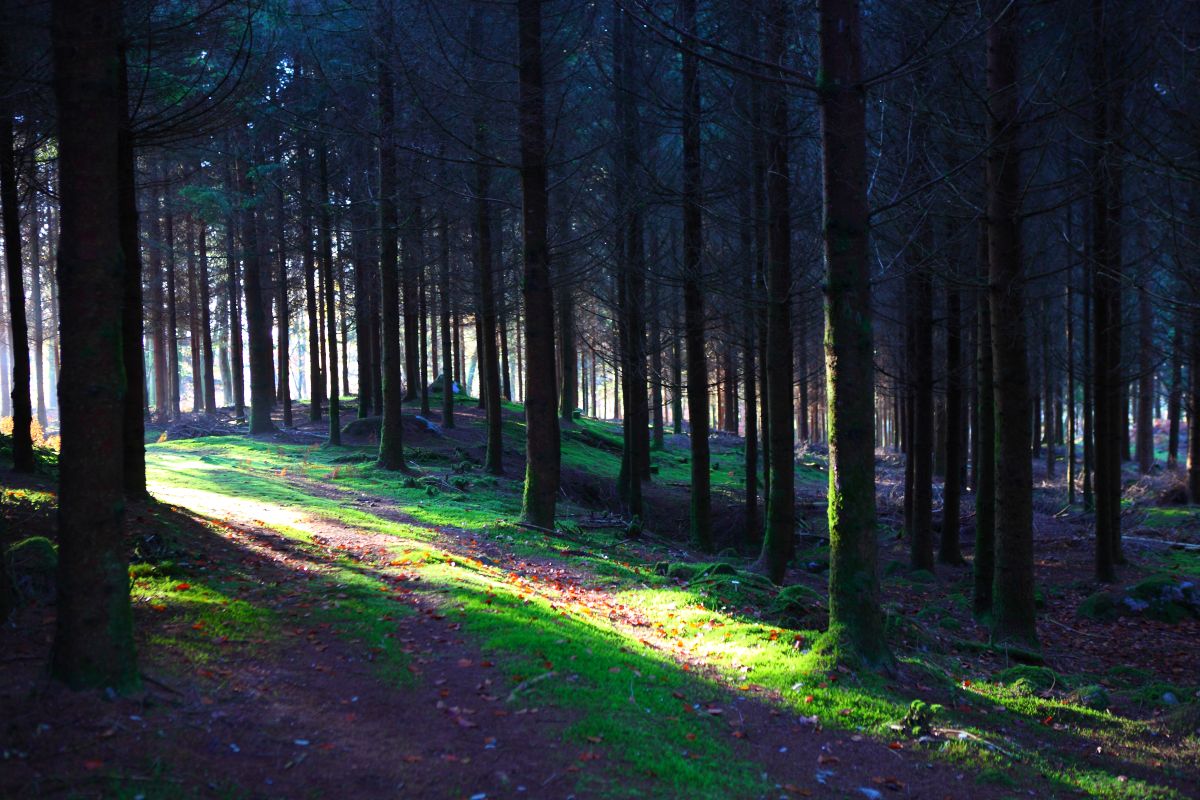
<point x="310" y="626"/>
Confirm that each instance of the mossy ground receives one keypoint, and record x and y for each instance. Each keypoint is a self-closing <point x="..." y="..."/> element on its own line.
<point x="639" y="656"/>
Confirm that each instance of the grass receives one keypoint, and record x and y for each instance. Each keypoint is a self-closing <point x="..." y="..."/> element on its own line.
<point x="629" y="698"/>
<point x="626" y="696"/>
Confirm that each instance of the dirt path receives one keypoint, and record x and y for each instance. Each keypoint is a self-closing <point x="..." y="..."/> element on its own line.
<point x="797" y="754"/>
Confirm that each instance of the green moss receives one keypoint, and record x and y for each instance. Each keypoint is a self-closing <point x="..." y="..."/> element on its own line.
<point x="1027" y="679"/>
<point x="1101" y="606"/>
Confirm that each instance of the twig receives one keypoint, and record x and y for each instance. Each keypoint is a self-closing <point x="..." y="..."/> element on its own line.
<point x="961" y="734"/>
<point x="526" y="684"/>
<point x="161" y="685"/>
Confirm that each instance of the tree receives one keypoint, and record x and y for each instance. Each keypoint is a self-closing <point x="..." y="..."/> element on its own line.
<point x="93" y="643"/>
<point x="693" y="289"/>
<point x="258" y="317"/>
<point x="778" y="543"/>
<point x="21" y="404"/>
<point x="391" y="434"/>
<point x="1013" y="611"/>
<point x="855" y="620"/>
<point x="542" y="436"/>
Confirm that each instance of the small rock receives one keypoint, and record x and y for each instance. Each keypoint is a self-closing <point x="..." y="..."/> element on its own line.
<point x="1170" y="699"/>
<point x="871" y="794"/>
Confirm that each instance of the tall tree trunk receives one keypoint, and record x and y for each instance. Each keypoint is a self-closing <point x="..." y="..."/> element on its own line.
<point x="921" y="448"/>
<point x="490" y="367"/>
<point x="985" y="479"/>
<point x="949" y="551"/>
<point x="193" y="312"/>
<point x="1110" y="395"/>
<point x="158" y="322"/>
<point x="326" y="265"/>
<point x="693" y="289"/>
<point x="1072" y="474"/>
<point x="237" y="375"/>
<point x="542" y="449"/>
<point x="656" y="367"/>
<point x="413" y="258"/>
<point x="1175" y="398"/>
<point x="855" y="619"/>
<point x="210" y="380"/>
<point x="93" y="642"/>
<point x="283" y="319"/>
<point x="35" y="297"/>
<point x="316" y="379"/>
<point x="568" y="366"/>
<point x="258" y="319"/>
<point x="391" y="436"/>
<point x="1013" y="611"/>
<point x="1089" y="418"/>
<point x="447" y="339"/>
<point x="21" y="405"/>
<point x="172" y="310"/>
<point x="1145" y="390"/>
<point x="133" y="419"/>
<point x="779" y="539"/>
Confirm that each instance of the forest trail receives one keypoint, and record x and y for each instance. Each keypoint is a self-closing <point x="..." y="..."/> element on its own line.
<point x="500" y="746"/>
<point x="314" y="627"/>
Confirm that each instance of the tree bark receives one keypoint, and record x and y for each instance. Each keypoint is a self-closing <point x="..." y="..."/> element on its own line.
<point x="93" y="643"/>
<point x="855" y="620"/>
<point x="949" y="551"/>
<point x="21" y="405"/>
<point x="542" y="453"/>
<point x="316" y="380"/>
<point x="1013" y="610"/>
<point x="326" y="265"/>
<point x="133" y="420"/>
<point x="447" y="339"/>
<point x="391" y="436"/>
<point x="258" y="320"/>
<point x="1110" y="395"/>
<point x="779" y="539"/>
<point x="693" y="290"/>
<point x="985" y="479"/>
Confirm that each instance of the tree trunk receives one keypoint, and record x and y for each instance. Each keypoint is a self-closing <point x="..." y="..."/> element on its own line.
<point x="855" y="620"/>
<point x="447" y="339"/>
<point x="133" y="420"/>
<point x="985" y="478"/>
<point x="921" y="447"/>
<point x="1013" y="611"/>
<point x="490" y="367"/>
<point x="283" y="318"/>
<point x="693" y="290"/>
<point x="542" y="449"/>
<point x="21" y="405"/>
<point x="193" y="312"/>
<point x="1145" y="391"/>
<point x="258" y="320"/>
<point x="949" y="551"/>
<point x="35" y="297"/>
<point x="1175" y="398"/>
<point x="326" y="266"/>
<point x="316" y="380"/>
<point x="391" y="435"/>
<point x="158" y="322"/>
<point x="1110" y="394"/>
<point x="779" y="539"/>
<point x="93" y="643"/>
<point x="210" y="380"/>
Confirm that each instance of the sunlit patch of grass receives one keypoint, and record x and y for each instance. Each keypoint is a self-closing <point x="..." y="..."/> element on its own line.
<point x="634" y="699"/>
<point x="201" y="618"/>
<point x="1170" y="516"/>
